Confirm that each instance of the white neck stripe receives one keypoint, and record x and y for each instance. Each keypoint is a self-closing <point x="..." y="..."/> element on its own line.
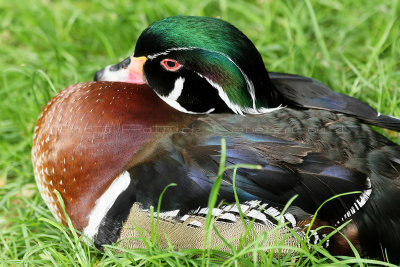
<point x="104" y="203"/>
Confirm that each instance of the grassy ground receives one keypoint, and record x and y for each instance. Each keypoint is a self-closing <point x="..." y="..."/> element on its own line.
<point x="46" y="45"/>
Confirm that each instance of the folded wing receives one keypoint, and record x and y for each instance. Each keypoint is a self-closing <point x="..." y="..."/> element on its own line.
<point x="310" y="93"/>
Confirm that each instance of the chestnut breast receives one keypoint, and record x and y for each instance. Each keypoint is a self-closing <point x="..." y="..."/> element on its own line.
<point x="88" y="134"/>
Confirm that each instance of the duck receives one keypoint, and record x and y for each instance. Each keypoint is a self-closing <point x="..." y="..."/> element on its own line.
<point x="113" y="148"/>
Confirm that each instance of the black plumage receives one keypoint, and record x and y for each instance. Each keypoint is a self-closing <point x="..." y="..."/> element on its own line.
<point x="315" y="165"/>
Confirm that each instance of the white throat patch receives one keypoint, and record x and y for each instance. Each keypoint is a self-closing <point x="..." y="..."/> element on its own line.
<point x="172" y="98"/>
<point x="177" y="91"/>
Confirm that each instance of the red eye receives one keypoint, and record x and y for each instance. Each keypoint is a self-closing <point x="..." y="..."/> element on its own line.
<point x="170" y="64"/>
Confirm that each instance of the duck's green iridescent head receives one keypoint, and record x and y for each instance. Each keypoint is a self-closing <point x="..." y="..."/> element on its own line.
<point x="198" y="65"/>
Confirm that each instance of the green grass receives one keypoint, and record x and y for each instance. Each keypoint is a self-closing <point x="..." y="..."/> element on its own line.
<point x="351" y="46"/>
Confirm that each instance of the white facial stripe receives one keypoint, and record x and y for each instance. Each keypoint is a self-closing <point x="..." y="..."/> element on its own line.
<point x="166" y="52"/>
<point x="234" y="107"/>
<point x="105" y="202"/>
<point x="119" y="75"/>
<point x="221" y="92"/>
<point x="158" y="54"/>
<point x="172" y="98"/>
<point x="250" y="86"/>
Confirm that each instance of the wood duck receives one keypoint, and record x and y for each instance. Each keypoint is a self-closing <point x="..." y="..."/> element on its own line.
<point x="111" y="148"/>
